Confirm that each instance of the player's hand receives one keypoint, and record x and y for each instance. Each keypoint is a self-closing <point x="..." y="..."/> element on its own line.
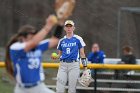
<point x="54" y="56"/>
<point x="51" y="21"/>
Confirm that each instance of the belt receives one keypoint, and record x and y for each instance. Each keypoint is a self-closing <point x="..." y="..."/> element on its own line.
<point x="30" y="85"/>
<point x="68" y="61"/>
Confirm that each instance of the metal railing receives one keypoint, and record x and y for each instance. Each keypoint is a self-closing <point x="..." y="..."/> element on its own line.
<point x="93" y="66"/>
<point x="96" y="80"/>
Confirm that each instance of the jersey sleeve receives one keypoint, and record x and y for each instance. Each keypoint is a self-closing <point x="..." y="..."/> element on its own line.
<point x="17" y="50"/>
<point x="81" y="43"/>
<point x="59" y="45"/>
<point x="44" y="45"/>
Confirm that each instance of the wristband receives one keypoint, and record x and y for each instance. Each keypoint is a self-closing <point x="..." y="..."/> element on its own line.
<point x="84" y="61"/>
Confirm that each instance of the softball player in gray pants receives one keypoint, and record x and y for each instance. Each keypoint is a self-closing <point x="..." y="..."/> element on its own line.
<point x="69" y="49"/>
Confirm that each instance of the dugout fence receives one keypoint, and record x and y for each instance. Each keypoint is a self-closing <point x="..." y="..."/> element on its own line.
<point x="128" y="26"/>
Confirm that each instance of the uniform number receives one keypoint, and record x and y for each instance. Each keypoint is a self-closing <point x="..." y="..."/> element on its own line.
<point x="68" y="50"/>
<point x="34" y="63"/>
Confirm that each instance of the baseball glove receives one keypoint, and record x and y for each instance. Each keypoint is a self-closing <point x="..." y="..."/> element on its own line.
<point x="64" y="8"/>
<point x="86" y="78"/>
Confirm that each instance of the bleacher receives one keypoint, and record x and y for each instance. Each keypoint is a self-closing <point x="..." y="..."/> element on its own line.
<point x="107" y="81"/>
<point x="116" y="60"/>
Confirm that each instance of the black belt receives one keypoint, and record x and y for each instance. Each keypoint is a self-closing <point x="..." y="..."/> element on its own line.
<point x="68" y="61"/>
<point x="30" y="85"/>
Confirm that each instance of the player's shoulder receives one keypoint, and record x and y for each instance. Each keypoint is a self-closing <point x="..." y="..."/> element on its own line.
<point x="17" y="46"/>
<point x="44" y="41"/>
<point x="80" y="39"/>
<point x="77" y="36"/>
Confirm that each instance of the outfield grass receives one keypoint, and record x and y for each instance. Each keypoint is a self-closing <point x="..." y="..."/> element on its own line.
<point x="6" y="86"/>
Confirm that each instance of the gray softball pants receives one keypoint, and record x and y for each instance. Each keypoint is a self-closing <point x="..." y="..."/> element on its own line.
<point x="67" y="72"/>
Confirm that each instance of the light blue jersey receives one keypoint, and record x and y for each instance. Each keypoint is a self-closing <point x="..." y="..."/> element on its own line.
<point x="27" y="65"/>
<point x="70" y="47"/>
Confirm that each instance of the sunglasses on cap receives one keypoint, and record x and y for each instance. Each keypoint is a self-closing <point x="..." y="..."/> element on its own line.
<point x="68" y="25"/>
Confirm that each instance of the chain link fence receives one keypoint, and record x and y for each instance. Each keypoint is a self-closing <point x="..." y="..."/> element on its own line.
<point x="128" y="29"/>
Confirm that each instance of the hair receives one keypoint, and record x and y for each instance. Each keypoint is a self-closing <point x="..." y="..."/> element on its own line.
<point x="127" y="49"/>
<point x="95" y="44"/>
<point x="23" y="32"/>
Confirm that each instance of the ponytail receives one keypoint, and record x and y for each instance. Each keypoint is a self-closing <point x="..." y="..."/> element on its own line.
<point x="23" y="31"/>
<point x="8" y="63"/>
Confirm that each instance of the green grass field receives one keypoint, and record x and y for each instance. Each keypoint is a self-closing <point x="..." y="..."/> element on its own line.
<point x="7" y="86"/>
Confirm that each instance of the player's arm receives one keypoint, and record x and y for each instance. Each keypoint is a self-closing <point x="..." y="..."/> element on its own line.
<point x="41" y="34"/>
<point x="81" y="46"/>
<point x="56" y="36"/>
<point x="53" y="42"/>
<point x="82" y="53"/>
<point x="83" y="57"/>
<point x="59" y="53"/>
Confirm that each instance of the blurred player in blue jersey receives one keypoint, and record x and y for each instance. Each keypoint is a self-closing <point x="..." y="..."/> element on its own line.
<point x="96" y="56"/>
<point x="23" y="57"/>
<point x="71" y="48"/>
